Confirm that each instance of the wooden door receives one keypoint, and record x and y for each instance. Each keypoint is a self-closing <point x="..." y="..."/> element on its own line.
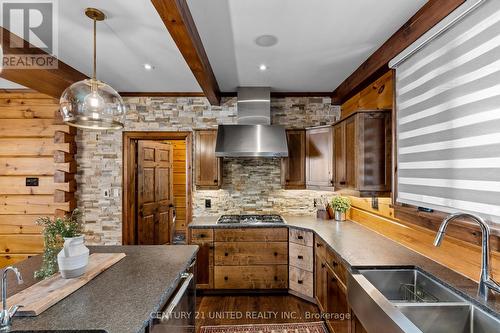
<point x="293" y="174"/>
<point x="339" y="153"/>
<point x="350" y="152"/>
<point x="208" y="166"/>
<point x="336" y="303"/>
<point x="155" y="192"/>
<point x="320" y="282"/>
<point x="319" y="158"/>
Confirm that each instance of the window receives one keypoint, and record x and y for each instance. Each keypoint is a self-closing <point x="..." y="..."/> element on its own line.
<point x="448" y="114"/>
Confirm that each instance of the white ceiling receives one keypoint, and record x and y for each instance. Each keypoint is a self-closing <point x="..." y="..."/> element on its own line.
<point x="132" y="34"/>
<point x="321" y="42"/>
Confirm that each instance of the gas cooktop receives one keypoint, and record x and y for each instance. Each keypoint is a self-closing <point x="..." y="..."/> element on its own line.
<point x="250" y="219"/>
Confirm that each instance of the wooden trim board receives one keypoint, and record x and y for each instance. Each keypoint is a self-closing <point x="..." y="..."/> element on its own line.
<point x="42" y="295"/>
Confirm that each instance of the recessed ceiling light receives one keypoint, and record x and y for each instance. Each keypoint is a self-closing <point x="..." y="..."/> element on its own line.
<point x="262" y="67"/>
<point x="148" y="67"/>
<point x="266" y="40"/>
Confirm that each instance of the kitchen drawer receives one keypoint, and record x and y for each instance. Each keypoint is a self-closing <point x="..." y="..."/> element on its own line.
<point x="201" y="234"/>
<point x="252" y="235"/>
<point x="301" y="257"/>
<point x="319" y="247"/>
<point x="301" y="237"/>
<point x="301" y="281"/>
<point x="251" y="277"/>
<point x="251" y="253"/>
<point x="335" y="262"/>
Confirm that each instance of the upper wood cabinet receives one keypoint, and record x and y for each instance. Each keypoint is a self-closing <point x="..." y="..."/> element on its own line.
<point x="319" y="158"/>
<point x="293" y="174"/>
<point x="208" y="167"/>
<point x="362" y="149"/>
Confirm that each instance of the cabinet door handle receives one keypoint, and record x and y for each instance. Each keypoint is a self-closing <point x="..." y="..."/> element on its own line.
<point x="275" y="254"/>
<point x="334" y="264"/>
<point x="342" y="182"/>
<point x="275" y="278"/>
<point x="225" y="278"/>
<point x="300" y="237"/>
<point x="300" y="257"/>
<point x="215" y="180"/>
<point x="322" y="265"/>
<point x="300" y="281"/>
<point x="226" y="254"/>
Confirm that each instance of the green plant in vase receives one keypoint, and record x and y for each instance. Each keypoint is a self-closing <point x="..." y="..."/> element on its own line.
<point x="54" y="232"/>
<point x="341" y="205"/>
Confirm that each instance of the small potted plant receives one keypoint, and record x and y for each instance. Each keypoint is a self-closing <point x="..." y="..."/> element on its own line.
<point x="64" y="250"/>
<point x="340" y="206"/>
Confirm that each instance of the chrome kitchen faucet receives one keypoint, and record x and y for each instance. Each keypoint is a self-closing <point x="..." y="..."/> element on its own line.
<point x="486" y="282"/>
<point x="7" y="315"/>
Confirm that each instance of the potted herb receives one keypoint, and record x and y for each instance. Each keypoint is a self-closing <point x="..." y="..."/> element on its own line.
<point x="340" y="205"/>
<point x="64" y="250"/>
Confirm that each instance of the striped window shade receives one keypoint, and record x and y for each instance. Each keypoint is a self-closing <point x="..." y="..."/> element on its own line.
<point x="448" y="116"/>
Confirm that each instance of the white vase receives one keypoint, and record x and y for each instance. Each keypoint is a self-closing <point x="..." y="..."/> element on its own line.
<point x="73" y="258"/>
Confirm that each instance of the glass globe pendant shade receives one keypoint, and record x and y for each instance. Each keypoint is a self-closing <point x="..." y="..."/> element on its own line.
<point x="92" y="104"/>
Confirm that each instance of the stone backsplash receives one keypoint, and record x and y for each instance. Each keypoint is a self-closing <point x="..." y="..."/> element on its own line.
<point x="250" y="185"/>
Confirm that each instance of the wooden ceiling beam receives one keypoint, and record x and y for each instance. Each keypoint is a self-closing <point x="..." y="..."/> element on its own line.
<point x="179" y="22"/>
<point x="48" y="81"/>
<point x="377" y="64"/>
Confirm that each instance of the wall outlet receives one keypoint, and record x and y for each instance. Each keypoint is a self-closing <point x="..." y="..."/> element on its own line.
<point x="208" y="203"/>
<point x="106" y="193"/>
<point x="315" y="203"/>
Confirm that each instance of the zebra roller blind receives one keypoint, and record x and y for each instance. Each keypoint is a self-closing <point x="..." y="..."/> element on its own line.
<point x="448" y="118"/>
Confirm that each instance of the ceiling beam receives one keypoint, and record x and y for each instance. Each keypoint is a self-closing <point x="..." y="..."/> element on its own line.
<point x="48" y="81"/>
<point x="179" y="22"/>
<point x="377" y="64"/>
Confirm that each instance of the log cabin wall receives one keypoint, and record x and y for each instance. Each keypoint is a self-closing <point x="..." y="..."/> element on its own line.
<point x="405" y="225"/>
<point x="33" y="144"/>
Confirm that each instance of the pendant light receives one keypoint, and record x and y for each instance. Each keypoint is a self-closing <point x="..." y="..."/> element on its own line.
<point x="91" y="103"/>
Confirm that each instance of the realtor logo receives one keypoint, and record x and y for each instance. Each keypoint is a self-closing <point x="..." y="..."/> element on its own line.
<point x="30" y="34"/>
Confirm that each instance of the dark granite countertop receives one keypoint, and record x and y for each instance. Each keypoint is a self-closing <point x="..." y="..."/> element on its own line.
<point x="360" y="247"/>
<point x="120" y="299"/>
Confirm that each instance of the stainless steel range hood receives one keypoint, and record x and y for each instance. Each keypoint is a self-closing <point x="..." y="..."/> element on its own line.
<point x="254" y="136"/>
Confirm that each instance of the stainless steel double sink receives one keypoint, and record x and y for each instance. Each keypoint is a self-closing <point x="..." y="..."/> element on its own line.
<point x="408" y="300"/>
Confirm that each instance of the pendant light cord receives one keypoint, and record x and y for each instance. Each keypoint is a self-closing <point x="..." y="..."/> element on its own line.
<point x="95" y="46"/>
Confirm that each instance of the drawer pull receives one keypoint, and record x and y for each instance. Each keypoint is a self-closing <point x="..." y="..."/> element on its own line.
<point x="300" y="237"/>
<point x="300" y="281"/>
<point x="226" y="278"/>
<point x="318" y="244"/>
<point x="211" y="247"/>
<point x="226" y="254"/>
<point x="202" y="236"/>
<point x="215" y="181"/>
<point x="275" y="278"/>
<point x="300" y="257"/>
<point x="275" y="254"/>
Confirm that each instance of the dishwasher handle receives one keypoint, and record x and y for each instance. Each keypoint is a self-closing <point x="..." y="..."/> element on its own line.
<point x="187" y="277"/>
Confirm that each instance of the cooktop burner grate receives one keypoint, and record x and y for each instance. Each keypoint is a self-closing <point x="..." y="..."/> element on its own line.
<point x="250" y="219"/>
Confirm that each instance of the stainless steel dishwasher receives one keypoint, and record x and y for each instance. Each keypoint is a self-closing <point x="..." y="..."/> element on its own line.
<point x="178" y="313"/>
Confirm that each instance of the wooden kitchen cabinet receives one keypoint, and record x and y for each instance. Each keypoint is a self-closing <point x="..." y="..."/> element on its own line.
<point x="330" y="288"/>
<point x="293" y="174"/>
<point x="250" y="258"/>
<point x="362" y="154"/>
<point x="204" y="258"/>
<point x="337" y="306"/>
<point x="208" y="167"/>
<point x="319" y="158"/>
